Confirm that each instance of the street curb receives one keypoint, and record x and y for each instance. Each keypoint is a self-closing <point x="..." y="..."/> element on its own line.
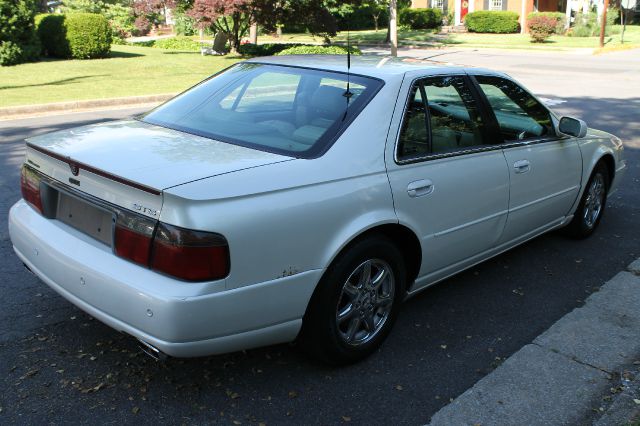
<point x="57" y="107"/>
<point x="569" y="373"/>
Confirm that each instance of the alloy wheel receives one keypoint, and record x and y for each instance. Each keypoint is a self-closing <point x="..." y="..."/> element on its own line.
<point x="365" y="302"/>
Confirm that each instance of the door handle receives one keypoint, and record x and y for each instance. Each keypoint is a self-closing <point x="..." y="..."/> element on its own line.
<point x="420" y="188"/>
<point x="522" y="166"/>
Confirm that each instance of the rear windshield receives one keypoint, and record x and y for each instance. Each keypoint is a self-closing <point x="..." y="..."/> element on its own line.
<point x="293" y="111"/>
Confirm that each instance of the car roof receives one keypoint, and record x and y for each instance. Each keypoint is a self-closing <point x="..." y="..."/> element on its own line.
<point x="382" y="67"/>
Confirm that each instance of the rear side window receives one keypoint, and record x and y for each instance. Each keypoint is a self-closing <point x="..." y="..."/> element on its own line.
<point x="287" y="110"/>
<point x="441" y="117"/>
<point x="519" y="115"/>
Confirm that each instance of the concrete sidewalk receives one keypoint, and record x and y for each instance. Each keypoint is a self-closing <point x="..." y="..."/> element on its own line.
<point x="584" y="370"/>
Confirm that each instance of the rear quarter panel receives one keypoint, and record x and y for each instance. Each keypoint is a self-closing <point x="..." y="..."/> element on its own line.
<point x="291" y="217"/>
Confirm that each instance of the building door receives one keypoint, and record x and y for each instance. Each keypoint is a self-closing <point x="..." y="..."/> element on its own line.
<point x="464" y="9"/>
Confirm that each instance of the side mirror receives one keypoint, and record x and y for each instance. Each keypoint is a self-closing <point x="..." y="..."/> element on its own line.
<point x="573" y="127"/>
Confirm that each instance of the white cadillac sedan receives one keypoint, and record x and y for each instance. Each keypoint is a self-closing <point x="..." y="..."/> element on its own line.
<point x="285" y="198"/>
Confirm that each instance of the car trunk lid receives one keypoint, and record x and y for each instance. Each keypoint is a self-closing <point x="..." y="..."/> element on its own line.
<point x="129" y="163"/>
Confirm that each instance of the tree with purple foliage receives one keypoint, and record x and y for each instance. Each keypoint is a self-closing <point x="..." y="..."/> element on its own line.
<point x="148" y="12"/>
<point x="235" y="17"/>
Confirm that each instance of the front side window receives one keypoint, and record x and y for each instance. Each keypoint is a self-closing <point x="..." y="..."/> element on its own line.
<point x="438" y="4"/>
<point x="441" y="117"/>
<point x="519" y="115"/>
<point x="288" y="110"/>
<point x="495" y="5"/>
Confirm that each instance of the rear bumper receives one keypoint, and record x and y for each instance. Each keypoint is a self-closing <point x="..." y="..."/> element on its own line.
<point x="181" y="319"/>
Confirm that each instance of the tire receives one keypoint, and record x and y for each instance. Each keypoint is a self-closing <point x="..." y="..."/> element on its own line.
<point x="591" y="207"/>
<point x="352" y="311"/>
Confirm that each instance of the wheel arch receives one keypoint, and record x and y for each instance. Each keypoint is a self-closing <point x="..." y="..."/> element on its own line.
<point x="601" y="154"/>
<point x="402" y="236"/>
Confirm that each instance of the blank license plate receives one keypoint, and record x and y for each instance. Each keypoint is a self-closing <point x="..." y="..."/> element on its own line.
<point x="84" y="217"/>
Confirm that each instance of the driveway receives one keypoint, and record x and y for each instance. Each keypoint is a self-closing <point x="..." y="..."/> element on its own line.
<point x="58" y="364"/>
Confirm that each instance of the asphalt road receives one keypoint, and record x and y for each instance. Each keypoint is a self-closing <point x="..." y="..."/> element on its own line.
<point x="58" y="365"/>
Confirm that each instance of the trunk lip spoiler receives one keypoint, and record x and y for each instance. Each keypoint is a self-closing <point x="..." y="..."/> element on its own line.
<point x="81" y="166"/>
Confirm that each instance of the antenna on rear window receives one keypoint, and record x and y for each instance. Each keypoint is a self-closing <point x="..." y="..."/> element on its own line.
<point x="347" y="94"/>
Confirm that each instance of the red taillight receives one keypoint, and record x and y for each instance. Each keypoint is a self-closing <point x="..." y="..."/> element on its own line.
<point x="132" y="237"/>
<point x="30" y="187"/>
<point x="182" y="253"/>
<point x="190" y="255"/>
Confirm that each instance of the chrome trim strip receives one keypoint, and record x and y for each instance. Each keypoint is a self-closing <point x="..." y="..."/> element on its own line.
<point x="539" y="200"/>
<point x="466" y="225"/>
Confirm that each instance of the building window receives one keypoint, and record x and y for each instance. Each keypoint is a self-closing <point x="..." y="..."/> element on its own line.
<point x="438" y="4"/>
<point x="495" y="4"/>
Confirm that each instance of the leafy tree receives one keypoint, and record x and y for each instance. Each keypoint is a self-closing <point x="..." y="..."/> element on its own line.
<point x="150" y="12"/>
<point x="234" y="17"/>
<point x="83" y="6"/>
<point x="18" y="40"/>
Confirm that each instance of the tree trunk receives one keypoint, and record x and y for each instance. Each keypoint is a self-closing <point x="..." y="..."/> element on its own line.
<point x="393" y="27"/>
<point x="253" y="33"/>
<point x="375" y="21"/>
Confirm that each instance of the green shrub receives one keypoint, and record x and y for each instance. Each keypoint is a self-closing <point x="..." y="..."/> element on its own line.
<point x="184" y="25"/>
<point x="488" y="21"/>
<point x="120" y="19"/>
<point x="421" y="19"/>
<point x="587" y="25"/>
<point x="52" y="34"/>
<point x="18" y="40"/>
<point x="75" y="35"/>
<point x="178" y="43"/>
<point x="541" y="28"/>
<point x="145" y="43"/>
<point x="318" y="50"/>
<point x="267" y="49"/>
<point x="560" y="17"/>
<point x="89" y="35"/>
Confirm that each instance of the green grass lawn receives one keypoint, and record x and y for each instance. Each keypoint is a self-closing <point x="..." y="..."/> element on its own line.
<point x="130" y="71"/>
<point x="134" y="71"/>
<point x="427" y="38"/>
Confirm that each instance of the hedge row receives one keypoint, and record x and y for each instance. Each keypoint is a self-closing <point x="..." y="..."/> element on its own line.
<point x="487" y="21"/>
<point x="74" y="35"/>
<point x="421" y="19"/>
<point x="318" y="50"/>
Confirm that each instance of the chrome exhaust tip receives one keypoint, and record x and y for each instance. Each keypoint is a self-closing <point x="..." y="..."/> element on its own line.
<point x="152" y="351"/>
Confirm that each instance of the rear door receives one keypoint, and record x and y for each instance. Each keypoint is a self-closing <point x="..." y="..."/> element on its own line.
<point x="545" y="169"/>
<point x="449" y="179"/>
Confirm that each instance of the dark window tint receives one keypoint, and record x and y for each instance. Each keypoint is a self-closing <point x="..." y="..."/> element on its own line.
<point x="414" y="139"/>
<point x="455" y="120"/>
<point x="288" y="110"/>
<point x="441" y="117"/>
<point x="520" y="115"/>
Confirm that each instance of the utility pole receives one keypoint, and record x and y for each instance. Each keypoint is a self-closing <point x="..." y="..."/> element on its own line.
<point x="603" y="22"/>
<point x="393" y="26"/>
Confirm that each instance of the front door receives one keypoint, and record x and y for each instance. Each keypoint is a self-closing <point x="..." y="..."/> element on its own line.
<point x="449" y="183"/>
<point x="545" y="169"/>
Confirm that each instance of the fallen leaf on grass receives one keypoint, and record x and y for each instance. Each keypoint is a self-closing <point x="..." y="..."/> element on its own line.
<point x="293" y="394"/>
<point x="346" y="419"/>
<point x="399" y="387"/>
<point x="637" y="401"/>
<point x="135" y="410"/>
